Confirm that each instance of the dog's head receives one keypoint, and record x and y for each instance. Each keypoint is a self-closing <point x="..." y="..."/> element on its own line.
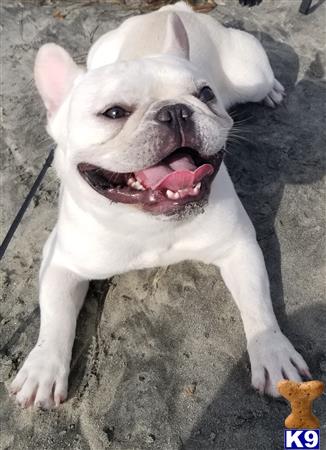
<point x="146" y="132"/>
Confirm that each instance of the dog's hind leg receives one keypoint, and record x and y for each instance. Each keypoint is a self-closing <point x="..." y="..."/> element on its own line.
<point x="275" y="95"/>
<point x="248" y="72"/>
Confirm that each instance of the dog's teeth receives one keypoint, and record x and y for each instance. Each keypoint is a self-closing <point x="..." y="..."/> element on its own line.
<point x="172" y="195"/>
<point x="136" y="185"/>
<point x="195" y="190"/>
<point x="130" y="181"/>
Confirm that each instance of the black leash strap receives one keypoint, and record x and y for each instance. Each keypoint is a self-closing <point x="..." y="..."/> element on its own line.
<point x="27" y="201"/>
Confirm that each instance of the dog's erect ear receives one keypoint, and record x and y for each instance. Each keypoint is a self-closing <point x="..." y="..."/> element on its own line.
<point x="176" y="39"/>
<point x="54" y="73"/>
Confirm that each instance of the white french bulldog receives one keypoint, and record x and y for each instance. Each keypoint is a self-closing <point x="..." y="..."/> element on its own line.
<point x="140" y="137"/>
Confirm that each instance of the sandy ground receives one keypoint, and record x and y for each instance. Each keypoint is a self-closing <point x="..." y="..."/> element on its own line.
<point x="160" y="358"/>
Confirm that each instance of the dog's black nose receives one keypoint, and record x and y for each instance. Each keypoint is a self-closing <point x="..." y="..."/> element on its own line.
<point x="172" y="115"/>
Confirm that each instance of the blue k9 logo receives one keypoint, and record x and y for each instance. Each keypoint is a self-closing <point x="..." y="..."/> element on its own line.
<point x="301" y="439"/>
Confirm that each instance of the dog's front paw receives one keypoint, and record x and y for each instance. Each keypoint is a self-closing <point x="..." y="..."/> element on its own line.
<point x="273" y="358"/>
<point x="42" y="381"/>
<point x="275" y="96"/>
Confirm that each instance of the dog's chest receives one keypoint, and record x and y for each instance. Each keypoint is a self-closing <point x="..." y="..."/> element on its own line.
<point x="167" y="251"/>
<point x="96" y="255"/>
<point x="97" y="249"/>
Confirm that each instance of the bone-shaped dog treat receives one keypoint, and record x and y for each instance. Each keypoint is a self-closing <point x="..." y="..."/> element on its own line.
<point x="301" y="396"/>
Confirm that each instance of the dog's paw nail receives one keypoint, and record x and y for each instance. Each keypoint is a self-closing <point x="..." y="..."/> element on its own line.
<point x="58" y="399"/>
<point x="306" y="374"/>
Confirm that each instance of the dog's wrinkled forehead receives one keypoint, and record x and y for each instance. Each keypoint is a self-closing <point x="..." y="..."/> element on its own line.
<point x="131" y="83"/>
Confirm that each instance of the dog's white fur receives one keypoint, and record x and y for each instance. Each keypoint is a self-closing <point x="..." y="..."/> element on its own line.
<point x="96" y="239"/>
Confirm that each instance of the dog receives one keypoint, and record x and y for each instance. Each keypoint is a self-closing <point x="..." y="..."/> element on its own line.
<point x="140" y="134"/>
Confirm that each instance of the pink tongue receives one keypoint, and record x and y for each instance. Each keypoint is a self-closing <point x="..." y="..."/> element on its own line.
<point x="179" y="172"/>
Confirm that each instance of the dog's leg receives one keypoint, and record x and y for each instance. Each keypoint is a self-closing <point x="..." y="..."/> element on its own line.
<point x="248" y="72"/>
<point x="43" y="378"/>
<point x="272" y="356"/>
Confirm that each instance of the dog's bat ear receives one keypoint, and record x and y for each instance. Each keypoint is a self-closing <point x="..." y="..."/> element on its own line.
<point x="54" y="73"/>
<point x="176" y="39"/>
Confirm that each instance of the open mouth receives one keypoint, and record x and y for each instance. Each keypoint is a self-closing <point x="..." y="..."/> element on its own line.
<point x="182" y="177"/>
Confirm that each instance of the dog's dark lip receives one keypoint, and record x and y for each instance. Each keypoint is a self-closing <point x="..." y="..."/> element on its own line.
<point x="113" y="185"/>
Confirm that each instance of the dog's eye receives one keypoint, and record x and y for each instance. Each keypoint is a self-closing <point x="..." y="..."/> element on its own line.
<point x="116" y="112"/>
<point x="206" y="94"/>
